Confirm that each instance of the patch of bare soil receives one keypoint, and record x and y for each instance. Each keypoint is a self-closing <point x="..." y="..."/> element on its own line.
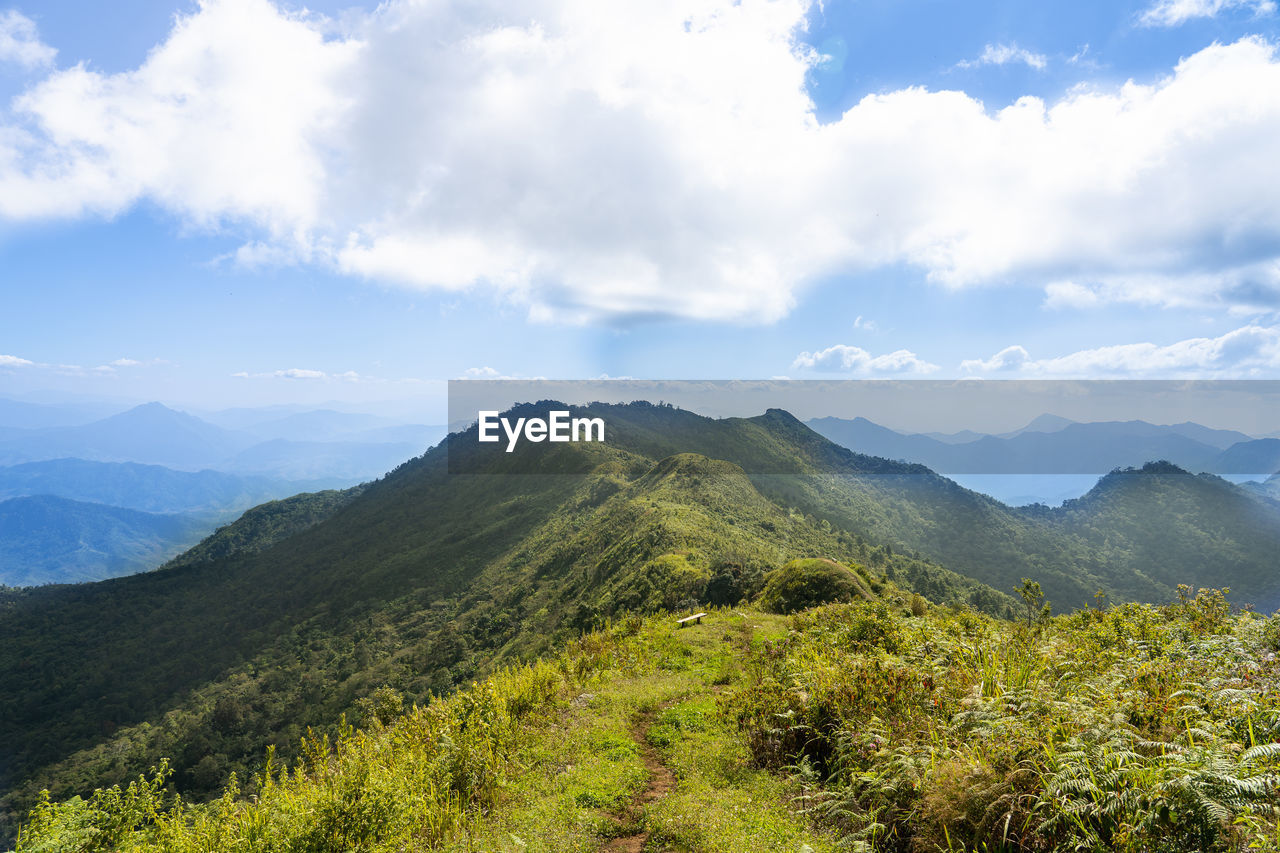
<point x="661" y="781"/>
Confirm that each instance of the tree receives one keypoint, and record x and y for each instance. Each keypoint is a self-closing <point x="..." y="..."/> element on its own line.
<point x="1031" y="597"/>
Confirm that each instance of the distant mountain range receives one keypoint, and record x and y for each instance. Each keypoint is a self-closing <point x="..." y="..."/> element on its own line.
<point x="46" y="538"/>
<point x="1051" y="445"/>
<point x="292" y="447"/>
<point x="1052" y="458"/>
<point x="424" y="578"/>
<point x="121" y="492"/>
<point x="148" y="488"/>
<point x="154" y="459"/>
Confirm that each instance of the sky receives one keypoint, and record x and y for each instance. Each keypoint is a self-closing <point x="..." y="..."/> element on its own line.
<point x="243" y="202"/>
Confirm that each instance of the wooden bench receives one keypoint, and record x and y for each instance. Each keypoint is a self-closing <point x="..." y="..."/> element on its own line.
<point x="695" y="618"/>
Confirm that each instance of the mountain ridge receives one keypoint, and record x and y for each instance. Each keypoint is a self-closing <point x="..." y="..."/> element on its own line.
<point x="428" y="578"/>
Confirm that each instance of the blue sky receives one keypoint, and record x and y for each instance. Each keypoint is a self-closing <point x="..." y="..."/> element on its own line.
<point x="243" y="202"/>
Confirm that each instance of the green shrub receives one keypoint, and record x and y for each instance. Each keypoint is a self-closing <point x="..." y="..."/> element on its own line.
<point x="807" y="583"/>
<point x="1134" y="728"/>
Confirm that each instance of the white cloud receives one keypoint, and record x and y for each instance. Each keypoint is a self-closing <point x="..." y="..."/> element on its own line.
<point x="1009" y="358"/>
<point x="20" y="43"/>
<point x="595" y="161"/>
<point x="849" y="359"/>
<point x="491" y="373"/>
<point x="125" y="362"/>
<point x="1069" y="294"/>
<point x="62" y="369"/>
<point x="1081" y="57"/>
<point x="1248" y="351"/>
<point x="301" y="373"/>
<point x="1003" y="54"/>
<point x="865" y="324"/>
<point x="223" y="122"/>
<point x="1171" y="13"/>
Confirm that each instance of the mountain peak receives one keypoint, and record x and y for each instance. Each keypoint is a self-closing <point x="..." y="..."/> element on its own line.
<point x="781" y="416"/>
<point x="153" y="412"/>
<point x="1047" y="423"/>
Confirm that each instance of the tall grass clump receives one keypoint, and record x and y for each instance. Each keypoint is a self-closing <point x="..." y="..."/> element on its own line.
<point x="1134" y="728"/>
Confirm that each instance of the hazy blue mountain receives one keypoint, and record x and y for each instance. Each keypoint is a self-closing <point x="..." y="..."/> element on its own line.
<point x="149" y="488"/>
<point x="242" y="417"/>
<point x="151" y="433"/>
<point x="865" y="436"/>
<point x="1257" y="456"/>
<point x="1220" y="438"/>
<point x="961" y="437"/>
<point x="1269" y="488"/>
<point x="311" y="460"/>
<point x="1041" y="423"/>
<point x="1053" y="445"/>
<point x="419" y="435"/>
<point x="318" y="425"/>
<point x="327" y="425"/>
<point x="327" y="448"/>
<point x="46" y="539"/>
<point x="1080" y="448"/>
<point x="153" y="459"/>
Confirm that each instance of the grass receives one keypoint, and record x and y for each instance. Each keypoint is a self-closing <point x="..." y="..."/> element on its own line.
<point x="560" y="755"/>
<point x="582" y="770"/>
<point x="847" y="727"/>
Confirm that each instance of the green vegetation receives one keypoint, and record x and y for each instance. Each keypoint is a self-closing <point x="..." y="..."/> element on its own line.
<point x="265" y="525"/>
<point x="551" y="756"/>
<point x="1137" y="728"/>
<point x="808" y="582"/>
<point x="428" y="579"/>
<point x="424" y="581"/>
<point x="851" y="726"/>
<point x="46" y="539"/>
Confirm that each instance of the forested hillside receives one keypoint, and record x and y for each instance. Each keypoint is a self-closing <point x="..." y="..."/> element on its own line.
<point x="426" y="579"/>
<point x="423" y="580"/>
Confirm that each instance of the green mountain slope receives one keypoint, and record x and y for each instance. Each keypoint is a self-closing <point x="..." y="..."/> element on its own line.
<point x="422" y="581"/>
<point x="428" y="578"/>
<point x="863" y="726"/>
<point x="1152" y="526"/>
<point x="1113" y="545"/>
<point x="265" y="525"/>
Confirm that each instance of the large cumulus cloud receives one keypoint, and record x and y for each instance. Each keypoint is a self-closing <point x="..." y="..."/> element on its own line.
<point x="601" y="161"/>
